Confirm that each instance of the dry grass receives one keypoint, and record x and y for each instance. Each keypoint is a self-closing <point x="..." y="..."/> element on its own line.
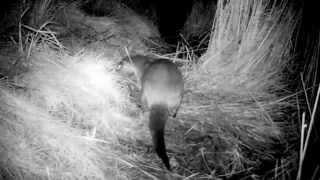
<point x="310" y="100"/>
<point x="65" y="113"/>
<point x="107" y="34"/>
<point x="238" y="90"/>
<point x="64" y="120"/>
<point x="69" y="115"/>
<point x="306" y="129"/>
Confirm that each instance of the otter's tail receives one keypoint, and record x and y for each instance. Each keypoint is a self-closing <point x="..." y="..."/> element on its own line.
<point x="157" y="121"/>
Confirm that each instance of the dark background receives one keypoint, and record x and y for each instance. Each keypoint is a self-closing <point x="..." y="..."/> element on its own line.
<point x="307" y="44"/>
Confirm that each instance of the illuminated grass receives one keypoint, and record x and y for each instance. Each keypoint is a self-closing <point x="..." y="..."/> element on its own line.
<point x="237" y="86"/>
<point x="66" y="119"/>
<point x="69" y="115"/>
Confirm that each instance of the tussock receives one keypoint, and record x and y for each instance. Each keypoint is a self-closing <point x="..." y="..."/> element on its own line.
<point x="37" y="145"/>
<point x="239" y="80"/>
<point x="65" y="121"/>
<point x="249" y="52"/>
<point x="65" y="112"/>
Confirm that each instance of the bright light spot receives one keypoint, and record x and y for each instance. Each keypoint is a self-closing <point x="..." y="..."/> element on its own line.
<point x="96" y="75"/>
<point x="98" y="79"/>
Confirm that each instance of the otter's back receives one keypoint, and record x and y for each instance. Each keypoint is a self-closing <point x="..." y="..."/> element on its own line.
<point x="162" y="83"/>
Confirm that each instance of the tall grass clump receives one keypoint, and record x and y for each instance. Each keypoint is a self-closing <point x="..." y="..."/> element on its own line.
<point x="238" y="86"/>
<point x="62" y="119"/>
<point x="250" y="43"/>
<point x="65" y="112"/>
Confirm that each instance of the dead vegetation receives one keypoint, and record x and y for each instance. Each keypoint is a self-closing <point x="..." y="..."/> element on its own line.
<point x="67" y="114"/>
